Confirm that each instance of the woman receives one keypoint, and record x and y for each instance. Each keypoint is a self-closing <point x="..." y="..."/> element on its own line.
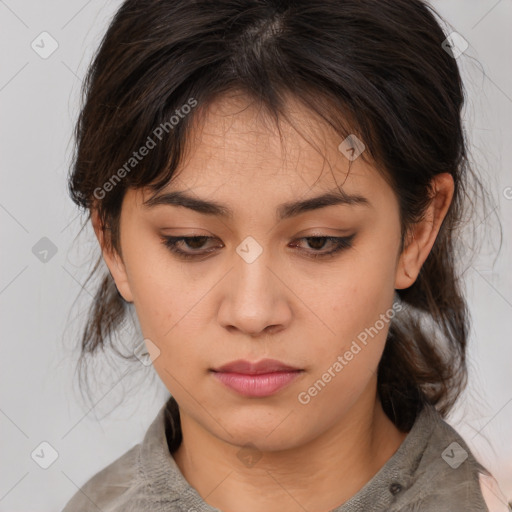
<point x="309" y="325"/>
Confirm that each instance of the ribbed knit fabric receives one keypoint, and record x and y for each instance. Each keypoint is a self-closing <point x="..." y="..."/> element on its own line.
<point x="425" y="474"/>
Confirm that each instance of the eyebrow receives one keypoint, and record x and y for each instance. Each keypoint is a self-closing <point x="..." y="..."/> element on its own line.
<point x="284" y="211"/>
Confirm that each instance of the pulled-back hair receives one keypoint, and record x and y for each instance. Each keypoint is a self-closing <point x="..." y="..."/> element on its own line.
<point x="374" y="68"/>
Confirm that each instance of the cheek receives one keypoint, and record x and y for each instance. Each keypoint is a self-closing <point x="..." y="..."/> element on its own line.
<point x="172" y="310"/>
<point x="361" y="291"/>
<point x="358" y="309"/>
<point x="157" y="286"/>
<point x="347" y="362"/>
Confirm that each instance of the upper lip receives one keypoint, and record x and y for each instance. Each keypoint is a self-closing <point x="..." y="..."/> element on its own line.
<point x="263" y="366"/>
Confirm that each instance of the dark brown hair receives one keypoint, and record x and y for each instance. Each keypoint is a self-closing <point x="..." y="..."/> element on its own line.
<point x="373" y="68"/>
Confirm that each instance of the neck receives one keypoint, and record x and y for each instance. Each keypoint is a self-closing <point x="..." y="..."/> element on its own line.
<point x="317" y="476"/>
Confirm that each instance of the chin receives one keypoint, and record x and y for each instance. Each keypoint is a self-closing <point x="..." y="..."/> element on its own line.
<point x="265" y="432"/>
<point x="256" y="445"/>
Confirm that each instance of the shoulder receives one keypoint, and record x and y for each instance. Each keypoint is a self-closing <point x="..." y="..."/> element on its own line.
<point x="144" y="475"/>
<point x="447" y="476"/>
<point x="107" y="487"/>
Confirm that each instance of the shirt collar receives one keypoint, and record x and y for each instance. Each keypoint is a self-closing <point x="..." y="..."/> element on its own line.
<point x="166" y="484"/>
<point x="159" y="470"/>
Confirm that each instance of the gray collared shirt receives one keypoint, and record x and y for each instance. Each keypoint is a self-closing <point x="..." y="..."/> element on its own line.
<point x="433" y="470"/>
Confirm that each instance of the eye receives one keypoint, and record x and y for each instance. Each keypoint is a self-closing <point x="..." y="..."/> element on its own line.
<point x="196" y="244"/>
<point x="173" y="243"/>
<point x="338" y="244"/>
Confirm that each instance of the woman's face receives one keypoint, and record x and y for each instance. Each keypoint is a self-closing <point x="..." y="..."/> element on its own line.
<point x="254" y="290"/>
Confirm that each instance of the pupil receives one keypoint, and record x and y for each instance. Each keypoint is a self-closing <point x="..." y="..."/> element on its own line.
<point x="319" y="241"/>
<point x="196" y="242"/>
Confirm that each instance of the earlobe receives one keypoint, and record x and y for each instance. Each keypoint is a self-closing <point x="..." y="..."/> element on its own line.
<point x="422" y="235"/>
<point x="112" y="259"/>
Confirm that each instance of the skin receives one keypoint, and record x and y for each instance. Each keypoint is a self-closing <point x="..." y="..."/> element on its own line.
<point x="302" y="311"/>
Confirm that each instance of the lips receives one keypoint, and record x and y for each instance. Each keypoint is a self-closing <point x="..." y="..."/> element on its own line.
<point x="257" y="380"/>
<point x="263" y="366"/>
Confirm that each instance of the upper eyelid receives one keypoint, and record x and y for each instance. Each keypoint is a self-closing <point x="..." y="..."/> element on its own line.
<point x="314" y="235"/>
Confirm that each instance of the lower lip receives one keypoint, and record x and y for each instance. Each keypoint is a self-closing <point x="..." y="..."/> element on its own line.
<point x="264" y="384"/>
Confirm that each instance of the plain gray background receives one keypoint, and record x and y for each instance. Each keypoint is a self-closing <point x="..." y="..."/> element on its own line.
<point x="39" y="400"/>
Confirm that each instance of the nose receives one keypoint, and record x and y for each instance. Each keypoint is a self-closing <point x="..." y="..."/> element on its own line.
<point x="255" y="300"/>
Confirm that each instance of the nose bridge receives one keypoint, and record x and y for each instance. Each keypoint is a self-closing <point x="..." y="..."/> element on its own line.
<point x="252" y="302"/>
<point x="251" y="272"/>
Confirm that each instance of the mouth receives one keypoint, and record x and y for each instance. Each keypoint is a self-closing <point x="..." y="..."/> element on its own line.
<point x="260" y="379"/>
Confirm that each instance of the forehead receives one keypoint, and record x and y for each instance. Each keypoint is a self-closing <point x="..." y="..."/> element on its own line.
<point x="235" y="152"/>
<point x="237" y="139"/>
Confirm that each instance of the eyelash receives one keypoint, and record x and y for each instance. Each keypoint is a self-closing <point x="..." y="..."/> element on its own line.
<point x="340" y="244"/>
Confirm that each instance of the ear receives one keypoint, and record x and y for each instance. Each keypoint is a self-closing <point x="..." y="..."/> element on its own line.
<point x="112" y="259"/>
<point x="422" y="235"/>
